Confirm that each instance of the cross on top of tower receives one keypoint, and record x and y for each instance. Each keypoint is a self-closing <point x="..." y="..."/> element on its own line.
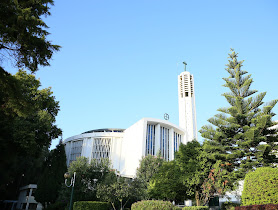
<point x="184" y="65"/>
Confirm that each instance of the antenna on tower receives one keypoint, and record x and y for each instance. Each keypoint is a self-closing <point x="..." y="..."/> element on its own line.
<point x="184" y="65"/>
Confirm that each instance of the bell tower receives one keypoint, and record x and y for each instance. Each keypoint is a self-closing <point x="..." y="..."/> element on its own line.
<point x="187" y="109"/>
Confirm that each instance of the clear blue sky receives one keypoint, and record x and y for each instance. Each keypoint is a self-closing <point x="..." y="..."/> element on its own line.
<point x="120" y="59"/>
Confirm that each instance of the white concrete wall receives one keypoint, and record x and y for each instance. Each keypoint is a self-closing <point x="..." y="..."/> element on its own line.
<point x="127" y="148"/>
<point x="87" y="146"/>
<point x="133" y="148"/>
<point x="134" y="143"/>
<point x="116" y="150"/>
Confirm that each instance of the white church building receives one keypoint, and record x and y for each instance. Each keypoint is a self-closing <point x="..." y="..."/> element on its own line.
<point x="126" y="147"/>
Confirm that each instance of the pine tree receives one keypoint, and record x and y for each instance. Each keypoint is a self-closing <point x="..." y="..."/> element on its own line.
<point x="240" y="135"/>
<point x="23" y="33"/>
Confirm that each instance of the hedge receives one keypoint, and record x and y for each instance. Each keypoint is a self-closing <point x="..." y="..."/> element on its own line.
<point x="260" y="187"/>
<point x="229" y="206"/>
<point x="258" y="207"/>
<point x="195" y="207"/>
<point x="152" y="205"/>
<point x="91" y="205"/>
<point x="56" y="206"/>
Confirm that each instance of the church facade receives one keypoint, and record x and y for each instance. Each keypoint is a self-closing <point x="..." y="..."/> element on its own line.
<point x="126" y="147"/>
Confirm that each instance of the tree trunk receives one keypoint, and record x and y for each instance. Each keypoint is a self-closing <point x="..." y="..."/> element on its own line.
<point x="113" y="205"/>
<point x="197" y="198"/>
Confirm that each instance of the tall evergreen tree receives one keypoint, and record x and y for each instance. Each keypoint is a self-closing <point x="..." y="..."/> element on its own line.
<point x="240" y="135"/>
<point x="23" y="33"/>
<point x="52" y="178"/>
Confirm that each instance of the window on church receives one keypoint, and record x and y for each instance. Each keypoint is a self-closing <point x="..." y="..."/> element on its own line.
<point x="150" y="140"/>
<point x="101" y="148"/>
<point x="76" y="149"/>
<point x="164" y="142"/>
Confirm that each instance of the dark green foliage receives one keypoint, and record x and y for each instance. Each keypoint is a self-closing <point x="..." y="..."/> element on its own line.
<point x="240" y="136"/>
<point x="261" y="187"/>
<point x="137" y="190"/>
<point x="152" y="205"/>
<point x="27" y="126"/>
<point x="192" y="169"/>
<point x="229" y="206"/>
<point x="166" y="183"/>
<point x="120" y="192"/>
<point x="91" y="205"/>
<point x="148" y="166"/>
<point x="88" y="176"/>
<point x="51" y="179"/>
<point x="23" y="33"/>
<point x="57" y="206"/>
<point x="214" y="201"/>
<point x="258" y="207"/>
<point x="113" y="192"/>
<point x="201" y="177"/>
<point x="195" y="207"/>
<point x="27" y="115"/>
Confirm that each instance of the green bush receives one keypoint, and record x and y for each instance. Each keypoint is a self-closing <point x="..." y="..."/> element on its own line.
<point x="91" y="205"/>
<point x="260" y="187"/>
<point x="258" y="207"/>
<point x="152" y="205"/>
<point x="56" y="206"/>
<point x="229" y="206"/>
<point x="195" y="207"/>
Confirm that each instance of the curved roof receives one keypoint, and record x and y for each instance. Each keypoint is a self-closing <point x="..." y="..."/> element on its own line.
<point x="118" y="130"/>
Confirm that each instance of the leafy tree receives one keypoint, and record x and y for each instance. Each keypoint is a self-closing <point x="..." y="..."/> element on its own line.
<point x="201" y="177"/>
<point x="137" y="190"/>
<point x="188" y="158"/>
<point x="27" y="114"/>
<point x="23" y="33"/>
<point x="88" y="176"/>
<point x="27" y="126"/>
<point x="51" y="180"/>
<point x="217" y="182"/>
<point x="166" y="184"/>
<point x="119" y="191"/>
<point x="239" y="136"/>
<point x="148" y="166"/>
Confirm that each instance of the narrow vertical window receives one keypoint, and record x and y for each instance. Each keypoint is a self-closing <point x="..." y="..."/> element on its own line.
<point x="150" y="140"/>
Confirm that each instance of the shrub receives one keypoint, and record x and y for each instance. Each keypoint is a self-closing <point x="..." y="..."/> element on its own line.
<point x="152" y="205"/>
<point x="91" y="205"/>
<point x="258" y="207"/>
<point x="229" y="206"/>
<point x="260" y="187"/>
<point x="56" y="206"/>
<point x="195" y="207"/>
